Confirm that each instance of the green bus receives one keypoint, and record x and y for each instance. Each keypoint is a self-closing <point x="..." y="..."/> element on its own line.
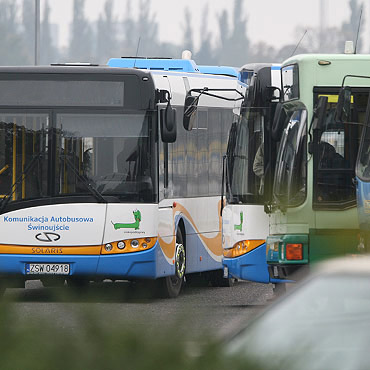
<point x="313" y="213"/>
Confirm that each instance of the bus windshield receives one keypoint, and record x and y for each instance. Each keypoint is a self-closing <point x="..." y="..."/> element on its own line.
<point x="64" y="154"/>
<point x="363" y="162"/>
<point x="290" y="176"/>
<point x="246" y="160"/>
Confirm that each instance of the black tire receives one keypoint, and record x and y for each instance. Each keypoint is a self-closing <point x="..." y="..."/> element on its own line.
<point x="170" y="286"/>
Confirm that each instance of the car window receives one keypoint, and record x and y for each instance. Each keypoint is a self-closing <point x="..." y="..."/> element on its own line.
<point x="326" y="322"/>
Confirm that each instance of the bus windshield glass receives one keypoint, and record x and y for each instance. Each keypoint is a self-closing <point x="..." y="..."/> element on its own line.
<point x="363" y="163"/>
<point x="246" y="161"/>
<point x="77" y="154"/>
<point x="336" y="148"/>
<point x="290" y="176"/>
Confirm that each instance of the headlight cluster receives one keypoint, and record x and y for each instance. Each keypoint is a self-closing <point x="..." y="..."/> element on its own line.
<point x="242" y="247"/>
<point x="128" y="245"/>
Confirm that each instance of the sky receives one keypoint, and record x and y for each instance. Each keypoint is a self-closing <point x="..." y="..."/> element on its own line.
<point x="273" y="22"/>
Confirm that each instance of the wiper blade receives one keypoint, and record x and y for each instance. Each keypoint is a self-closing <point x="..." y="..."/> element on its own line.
<point x="92" y="190"/>
<point x="22" y="176"/>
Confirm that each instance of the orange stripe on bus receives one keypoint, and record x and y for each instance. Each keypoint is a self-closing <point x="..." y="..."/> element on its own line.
<point x="36" y="250"/>
<point x="213" y="244"/>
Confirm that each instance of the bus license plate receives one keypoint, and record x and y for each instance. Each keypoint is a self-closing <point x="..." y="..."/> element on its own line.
<point x="47" y="268"/>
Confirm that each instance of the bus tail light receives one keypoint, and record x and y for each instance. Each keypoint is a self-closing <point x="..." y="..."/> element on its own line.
<point x="294" y="251"/>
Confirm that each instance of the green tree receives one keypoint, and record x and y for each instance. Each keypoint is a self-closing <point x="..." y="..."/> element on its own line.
<point x="234" y="43"/>
<point x="106" y="34"/>
<point x="141" y="33"/>
<point x="147" y="29"/>
<point x="28" y="34"/>
<point x="350" y="28"/>
<point x="12" y="44"/>
<point x="205" y="54"/>
<point x="128" y="43"/>
<point x="80" y="47"/>
<point x="48" y="53"/>
<point x="187" y="28"/>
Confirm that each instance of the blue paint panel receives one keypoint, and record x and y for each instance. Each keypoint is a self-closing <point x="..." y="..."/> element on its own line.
<point x="128" y="265"/>
<point x="219" y="70"/>
<point x="146" y="264"/>
<point x="183" y="65"/>
<point x="251" y="266"/>
<point x="195" y="250"/>
<point x="15" y="263"/>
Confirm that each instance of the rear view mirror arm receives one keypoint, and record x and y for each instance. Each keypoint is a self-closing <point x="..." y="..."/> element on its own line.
<point x="206" y="91"/>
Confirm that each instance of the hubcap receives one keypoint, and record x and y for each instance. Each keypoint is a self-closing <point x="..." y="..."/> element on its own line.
<point x="180" y="260"/>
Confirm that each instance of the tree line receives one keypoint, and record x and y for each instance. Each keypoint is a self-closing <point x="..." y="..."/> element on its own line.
<point x="114" y="35"/>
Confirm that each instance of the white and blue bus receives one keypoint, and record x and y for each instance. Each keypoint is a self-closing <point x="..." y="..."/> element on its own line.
<point x="105" y="175"/>
<point x="249" y="176"/>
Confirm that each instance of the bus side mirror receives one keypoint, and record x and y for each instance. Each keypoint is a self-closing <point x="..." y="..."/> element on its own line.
<point x="190" y="108"/>
<point x="343" y="109"/>
<point x="168" y="124"/>
<point x="273" y="93"/>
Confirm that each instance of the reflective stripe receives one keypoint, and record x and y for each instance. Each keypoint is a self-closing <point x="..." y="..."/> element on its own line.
<point x="37" y="250"/>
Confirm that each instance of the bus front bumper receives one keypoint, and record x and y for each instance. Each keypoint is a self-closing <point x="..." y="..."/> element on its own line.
<point x="251" y="266"/>
<point x="285" y="272"/>
<point x="149" y="264"/>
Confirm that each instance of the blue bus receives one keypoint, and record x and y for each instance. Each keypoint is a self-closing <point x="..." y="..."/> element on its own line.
<point x="249" y="176"/>
<point x="109" y="172"/>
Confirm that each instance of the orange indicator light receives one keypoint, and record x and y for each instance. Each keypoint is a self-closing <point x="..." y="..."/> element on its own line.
<point x="294" y="251"/>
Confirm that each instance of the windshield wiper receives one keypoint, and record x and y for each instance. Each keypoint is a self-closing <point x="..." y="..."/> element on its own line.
<point x="21" y="177"/>
<point x="92" y="190"/>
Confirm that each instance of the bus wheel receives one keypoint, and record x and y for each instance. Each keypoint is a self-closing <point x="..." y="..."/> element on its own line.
<point x="172" y="284"/>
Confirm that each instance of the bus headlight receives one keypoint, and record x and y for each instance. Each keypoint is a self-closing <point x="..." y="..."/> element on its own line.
<point x="134" y="243"/>
<point x="128" y="245"/>
<point x="121" y="245"/>
<point x="242" y="247"/>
